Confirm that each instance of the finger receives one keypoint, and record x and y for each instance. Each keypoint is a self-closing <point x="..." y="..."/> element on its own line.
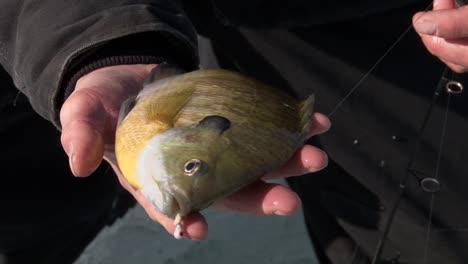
<point x="82" y="123"/>
<point x="455" y="52"/>
<point x="306" y="160"/>
<point x="443" y="4"/>
<point x="320" y="124"/>
<point x="84" y="147"/>
<point x="194" y="225"/>
<point x="446" y="23"/>
<point x="455" y="67"/>
<point x="261" y="198"/>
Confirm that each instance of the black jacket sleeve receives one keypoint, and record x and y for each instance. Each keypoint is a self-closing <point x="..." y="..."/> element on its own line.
<point x="44" y="44"/>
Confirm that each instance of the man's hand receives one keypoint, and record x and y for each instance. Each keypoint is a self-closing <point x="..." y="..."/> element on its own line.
<point x="444" y="32"/>
<point x="89" y="118"/>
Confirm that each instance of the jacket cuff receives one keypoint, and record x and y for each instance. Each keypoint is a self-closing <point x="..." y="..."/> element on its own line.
<point x="138" y="48"/>
<point x="72" y="78"/>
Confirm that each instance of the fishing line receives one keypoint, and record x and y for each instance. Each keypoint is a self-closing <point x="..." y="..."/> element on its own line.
<point x="429" y="224"/>
<point x="443" y="81"/>
<point x="402" y="187"/>
<point x="377" y="63"/>
<point x="449" y="89"/>
<point x="404" y="181"/>
<point x="452" y="87"/>
<point x="436" y="176"/>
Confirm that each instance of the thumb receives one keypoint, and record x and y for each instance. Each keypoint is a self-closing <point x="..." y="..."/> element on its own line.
<point x="83" y="121"/>
<point x="444" y="4"/>
<point x="444" y="23"/>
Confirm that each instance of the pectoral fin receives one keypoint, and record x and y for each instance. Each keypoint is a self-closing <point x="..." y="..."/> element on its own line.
<point x="218" y="123"/>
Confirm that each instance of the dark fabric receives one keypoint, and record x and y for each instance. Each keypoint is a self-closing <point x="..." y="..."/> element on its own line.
<point x="41" y="40"/>
<point x="372" y="135"/>
<point x="47" y="215"/>
<point x="67" y="33"/>
<point x="297" y="13"/>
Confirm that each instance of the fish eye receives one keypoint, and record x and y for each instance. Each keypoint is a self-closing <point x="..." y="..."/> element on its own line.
<point x="192" y="166"/>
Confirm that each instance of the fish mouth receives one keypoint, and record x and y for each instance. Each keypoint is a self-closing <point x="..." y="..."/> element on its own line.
<point x="181" y="203"/>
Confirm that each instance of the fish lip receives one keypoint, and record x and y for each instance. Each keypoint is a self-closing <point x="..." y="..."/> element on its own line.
<point x="181" y="198"/>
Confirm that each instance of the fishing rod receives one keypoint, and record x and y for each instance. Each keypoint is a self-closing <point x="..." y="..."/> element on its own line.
<point x="449" y="83"/>
<point x="451" y="86"/>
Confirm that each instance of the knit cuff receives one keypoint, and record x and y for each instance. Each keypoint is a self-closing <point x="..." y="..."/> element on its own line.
<point x="105" y="62"/>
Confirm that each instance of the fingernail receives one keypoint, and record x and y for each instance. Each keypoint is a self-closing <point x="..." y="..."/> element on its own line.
<point x="316" y="169"/>
<point x="426" y="26"/>
<point x="290" y="209"/>
<point x="71" y="160"/>
<point x="285" y="213"/>
<point x="71" y="157"/>
<point x="279" y="213"/>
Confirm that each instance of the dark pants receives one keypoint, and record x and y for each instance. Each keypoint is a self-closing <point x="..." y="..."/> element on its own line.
<point x="47" y="215"/>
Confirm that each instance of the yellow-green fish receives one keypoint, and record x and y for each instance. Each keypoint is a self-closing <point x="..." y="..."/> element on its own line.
<point x="189" y="139"/>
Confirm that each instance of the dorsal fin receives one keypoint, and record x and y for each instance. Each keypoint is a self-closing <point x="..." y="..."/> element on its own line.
<point x="125" y="108"/>
<point x="163" y="70"/>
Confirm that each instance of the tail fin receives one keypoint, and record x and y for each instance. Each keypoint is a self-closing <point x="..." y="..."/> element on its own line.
<point x="306" y="109"/>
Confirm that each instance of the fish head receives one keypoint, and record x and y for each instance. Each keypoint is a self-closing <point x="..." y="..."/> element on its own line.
<point x="179" y="166"/>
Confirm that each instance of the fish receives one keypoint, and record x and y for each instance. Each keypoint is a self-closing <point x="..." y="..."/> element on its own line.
<point x="189" y="139"/>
